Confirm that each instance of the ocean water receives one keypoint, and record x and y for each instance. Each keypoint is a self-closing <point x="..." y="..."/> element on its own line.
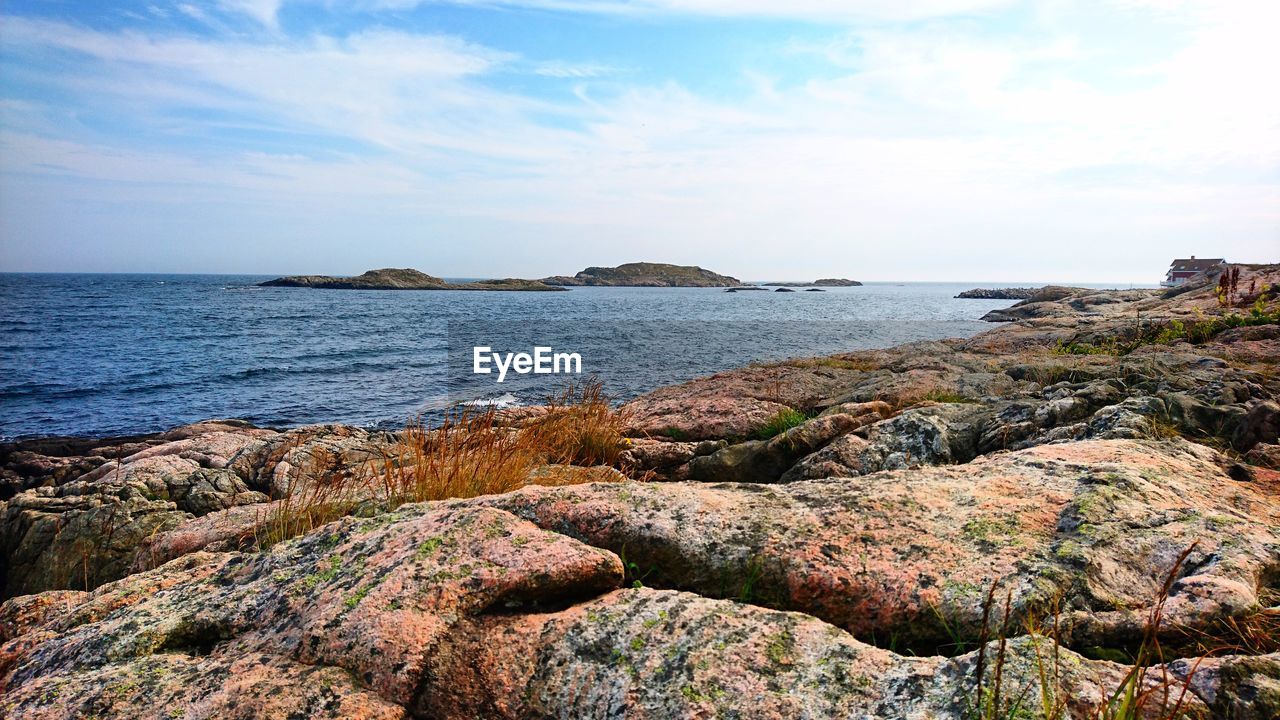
<point x="116" y="354"/>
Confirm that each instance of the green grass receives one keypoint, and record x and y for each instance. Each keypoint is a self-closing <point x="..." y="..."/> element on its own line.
<point x="946" y="396"/>
<point x="783" y="421"/>
<point x="1196" y="333"/>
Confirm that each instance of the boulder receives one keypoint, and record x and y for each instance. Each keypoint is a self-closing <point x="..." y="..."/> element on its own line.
<point x="665" y="460"/>
<point x="353" y="613"/>
<point x="76" y="541"/>
<point x="1265" y="455"/>
<point x="1094" y="526"/>
<point x="766" y="460"/>
<point x="285" y="462"/>
<point x="935" y="435"/>
<point x="1261" y="424"/>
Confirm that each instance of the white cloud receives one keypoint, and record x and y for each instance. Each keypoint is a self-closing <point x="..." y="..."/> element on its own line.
<point x="939" y="150"/>
<point x="816" y="10"/>
<point x="264" y="11"/>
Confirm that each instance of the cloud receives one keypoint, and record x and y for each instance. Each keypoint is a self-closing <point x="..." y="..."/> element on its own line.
<point x="558" y="69"/>
<point x="919" y="150"/>
<point x="812" y="10"/>
<point x="264" y="11"/>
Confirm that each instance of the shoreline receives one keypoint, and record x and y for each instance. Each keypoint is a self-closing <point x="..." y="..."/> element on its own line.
<point x="857" y="506"/>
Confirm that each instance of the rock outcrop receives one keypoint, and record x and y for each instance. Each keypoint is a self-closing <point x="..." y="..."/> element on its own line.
<point x="81" y="530"/>
<point x="645" y="274"/>
<point x="461" y="612"/>
<point x="402" y="279"/>
<point x="394" y="617"/>
<point x="998" y="294"/>
<point x="1092" y="526"/>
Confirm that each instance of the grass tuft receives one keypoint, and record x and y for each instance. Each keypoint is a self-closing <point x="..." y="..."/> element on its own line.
<point x="467" y="454"/>
<point x="1146" y="691"/>
<point x="783" y="421"/>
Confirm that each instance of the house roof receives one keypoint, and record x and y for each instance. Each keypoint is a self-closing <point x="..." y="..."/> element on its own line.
<point x="1195" y="264"/>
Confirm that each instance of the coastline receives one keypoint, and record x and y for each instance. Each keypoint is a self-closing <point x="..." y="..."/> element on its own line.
<point x="1045" y="456"/>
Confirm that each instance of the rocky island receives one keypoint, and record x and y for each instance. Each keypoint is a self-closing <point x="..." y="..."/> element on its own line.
<point x="645" y="274"/>
<point x="998" y="293"/>
<point x="402" y="279"/>
<point x="1080" y="505"/>
<point x="821" y="283"/>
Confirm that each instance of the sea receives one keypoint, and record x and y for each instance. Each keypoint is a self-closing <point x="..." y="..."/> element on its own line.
<point x="113" y="354"/>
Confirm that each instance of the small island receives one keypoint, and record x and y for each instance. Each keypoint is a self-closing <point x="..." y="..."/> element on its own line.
<point x="823" y="282"/>
<point x="404" y="279"/>
<point x="645" y="274"/>
<point x="998" y="293"/>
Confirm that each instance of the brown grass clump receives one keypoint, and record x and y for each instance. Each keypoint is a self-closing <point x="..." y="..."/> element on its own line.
<point x="469" y="453"/>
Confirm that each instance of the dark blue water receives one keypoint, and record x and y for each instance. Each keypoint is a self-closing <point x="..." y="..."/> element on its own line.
<point x="107" y="354"/>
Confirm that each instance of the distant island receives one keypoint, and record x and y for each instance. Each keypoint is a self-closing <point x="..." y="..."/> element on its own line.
<point x="645" y="274"/>
<point x="403" y="279"/>
<point x="824" y="282"/>
<point x="998" y="293"/>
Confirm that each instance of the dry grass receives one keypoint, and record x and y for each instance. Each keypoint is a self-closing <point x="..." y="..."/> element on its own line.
<point x="925" y="392"/>
<point x="1257" y="633"/>
<point x="1146" y="690"/>
<point x="469" y="453"/>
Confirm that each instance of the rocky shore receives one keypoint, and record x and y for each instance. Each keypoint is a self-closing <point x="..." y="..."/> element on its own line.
<point x="1008" y="522"/>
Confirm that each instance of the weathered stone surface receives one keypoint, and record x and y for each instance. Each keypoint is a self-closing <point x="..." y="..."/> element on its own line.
<point x="637" y="653"/>
<point x="233" y="529"/>
<point x="362" y="601"/>
<point x="76" y="541"/>
<point x="1265" y="454"/>
<point x="766" y="460"/>
<point x="169" y="685"/>
<point x="27" y="612"/>
<point x="734" y="404"/>
<point x="910" y="553"/>
<point x="79" y="533"/>
<point x="1236" y="687"/>
<point x="665" y="460"/>
<point x="275" y="464"/>
<point x="661" y="654"/>
<point x="1260" y="425"/>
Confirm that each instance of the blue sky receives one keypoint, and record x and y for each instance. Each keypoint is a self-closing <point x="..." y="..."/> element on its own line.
<point x="873" y="139"/>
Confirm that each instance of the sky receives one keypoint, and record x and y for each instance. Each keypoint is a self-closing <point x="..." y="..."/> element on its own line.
<point x="1087" y="141"/>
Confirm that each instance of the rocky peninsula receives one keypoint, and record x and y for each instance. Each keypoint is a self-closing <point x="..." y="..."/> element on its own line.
<point x="403" y="279"/>
<point x="1079" y="505"/>
<point x="645" y="274"/>
<point x="998" y="293"/>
